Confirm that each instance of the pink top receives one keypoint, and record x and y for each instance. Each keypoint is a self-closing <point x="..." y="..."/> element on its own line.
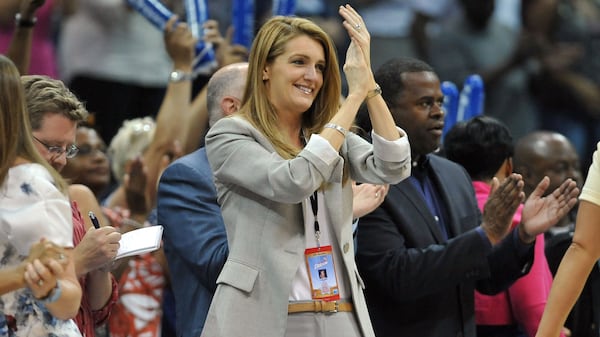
<point x="43" y="53"/>
<point x="523" y="303"/>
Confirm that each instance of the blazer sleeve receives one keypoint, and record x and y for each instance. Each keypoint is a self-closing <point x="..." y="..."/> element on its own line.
<point x="382" y="162"/>
<point x="397" y="259"/>
<point x="241" y="156"/>
<point x="398" y="256"/>
<point x="188" y="210"/>
<point x="508" y="261"/>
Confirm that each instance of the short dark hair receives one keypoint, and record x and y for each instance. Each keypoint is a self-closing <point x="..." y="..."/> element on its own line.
<point x="480" y="145"/>
<point x="389" y="78"/>
<point x="389" y="75"/>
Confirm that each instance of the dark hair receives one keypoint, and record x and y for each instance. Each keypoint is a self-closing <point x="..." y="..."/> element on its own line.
<point x="389" y="77"/>
<point x="480" y="145"/>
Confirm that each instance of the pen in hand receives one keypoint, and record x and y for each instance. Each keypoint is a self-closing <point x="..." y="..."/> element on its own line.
<point x="94" y="219"/>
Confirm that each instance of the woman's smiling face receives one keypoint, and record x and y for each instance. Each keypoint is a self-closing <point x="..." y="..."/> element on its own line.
<point x="295" y="77"/>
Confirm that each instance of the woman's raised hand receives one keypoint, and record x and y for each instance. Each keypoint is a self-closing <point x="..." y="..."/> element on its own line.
<point x="358" y="64"/>
<point x="357" y="30"/>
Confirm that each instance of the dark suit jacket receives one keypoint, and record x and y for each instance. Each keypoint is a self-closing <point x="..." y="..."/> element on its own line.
<point x="195" y="241"/>
<point x="417" y="284"/>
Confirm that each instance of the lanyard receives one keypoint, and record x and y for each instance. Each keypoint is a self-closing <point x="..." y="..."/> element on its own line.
<point x="314" y="204"/>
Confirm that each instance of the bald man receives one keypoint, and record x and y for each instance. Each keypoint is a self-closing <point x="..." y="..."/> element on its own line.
<point x="546" y="153"/>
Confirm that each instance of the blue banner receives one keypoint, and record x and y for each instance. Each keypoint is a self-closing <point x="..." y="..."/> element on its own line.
<point x="284" y="7"/>
<point x="450" y="106"/>
<point x="243" y="22"/>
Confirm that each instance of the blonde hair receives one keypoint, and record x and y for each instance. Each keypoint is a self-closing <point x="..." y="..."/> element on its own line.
<point x="132" y="139"/>
<point x="47" y="95"/>
<point x="15" y="130"/>
<point x="270" y="42"/>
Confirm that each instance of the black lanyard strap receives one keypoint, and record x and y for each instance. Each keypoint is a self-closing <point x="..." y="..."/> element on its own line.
<point x="314" y="203"/>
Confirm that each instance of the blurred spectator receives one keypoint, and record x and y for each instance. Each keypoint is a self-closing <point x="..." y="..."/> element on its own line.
<point x="567" y="86"/>
<point x="32" y="21"/>
<point x="91" y="166"/>
<point x="480" y="44"/>
<point x="115" y="60"/>
<point x="398" y="27"/>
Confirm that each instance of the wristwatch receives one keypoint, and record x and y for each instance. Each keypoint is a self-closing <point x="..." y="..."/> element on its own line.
<point x="180" y="76"/>
<point x="26" y="23"/>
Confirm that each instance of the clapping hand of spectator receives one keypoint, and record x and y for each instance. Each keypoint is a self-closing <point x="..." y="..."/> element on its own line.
<point x="366" y="198"/>
<point x="501" y="206"/>
<point x="540" y="213"/>
<point x="44" y="265"/>
<point x="135" y="182"/>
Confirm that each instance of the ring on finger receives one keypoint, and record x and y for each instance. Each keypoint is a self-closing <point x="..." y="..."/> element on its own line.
<point x="40" y="282"/>
<point x="61" y="256"/>
<point x="357" y="26"/>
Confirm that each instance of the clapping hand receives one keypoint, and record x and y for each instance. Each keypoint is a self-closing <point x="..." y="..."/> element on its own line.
<point x="501" y="206"/>
<point x="366" y="198"/>
<point x="44" y="265"/>
<point x="357" y="66"/>
<point x="540" y="213"/>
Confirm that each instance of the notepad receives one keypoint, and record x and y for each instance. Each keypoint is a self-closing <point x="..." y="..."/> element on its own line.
<point x="139" y="241"/>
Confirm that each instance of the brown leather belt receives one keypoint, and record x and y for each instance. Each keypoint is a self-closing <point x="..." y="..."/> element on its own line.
<point x="319" y="306"/>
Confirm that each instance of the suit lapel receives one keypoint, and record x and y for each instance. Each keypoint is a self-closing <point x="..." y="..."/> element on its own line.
<point x="408" y="190"/>
<point x="440" y="175"/>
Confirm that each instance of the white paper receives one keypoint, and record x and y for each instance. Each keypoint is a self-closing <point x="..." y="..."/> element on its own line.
<point x="139" y="241"/>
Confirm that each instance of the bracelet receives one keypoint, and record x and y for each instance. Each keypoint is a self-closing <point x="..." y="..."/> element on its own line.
<point x="20" y="22"/>
<point x="337" y="128"/>
<point x="374" y="92"/>
<point x="53" y="295"/>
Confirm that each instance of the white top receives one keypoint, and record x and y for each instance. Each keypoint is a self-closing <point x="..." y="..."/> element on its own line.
<point x="591" y="188"/>
<point x="31" y="208"/>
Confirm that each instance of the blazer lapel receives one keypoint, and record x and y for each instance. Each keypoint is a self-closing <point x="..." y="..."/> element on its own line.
<point x="415" y="197"/>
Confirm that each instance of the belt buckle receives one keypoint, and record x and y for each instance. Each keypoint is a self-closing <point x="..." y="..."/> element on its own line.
<point x="336" y="307"/>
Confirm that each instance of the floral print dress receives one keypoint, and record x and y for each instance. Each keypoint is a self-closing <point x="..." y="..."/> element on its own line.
<point x="31" y="208"/>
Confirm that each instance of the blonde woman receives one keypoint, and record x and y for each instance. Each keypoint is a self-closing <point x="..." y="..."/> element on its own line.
<point x="283" y="167"/>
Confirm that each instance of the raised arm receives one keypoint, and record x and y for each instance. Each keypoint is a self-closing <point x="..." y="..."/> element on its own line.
<point x="226" y="53"/>
<point x="176" y="103"/>
<point x="19" y="50"/>
<point x="573" y="270"/>
<point x="580" y="257"/>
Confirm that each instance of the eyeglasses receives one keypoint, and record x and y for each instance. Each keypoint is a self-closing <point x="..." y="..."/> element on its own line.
<point x="71" y="150"/>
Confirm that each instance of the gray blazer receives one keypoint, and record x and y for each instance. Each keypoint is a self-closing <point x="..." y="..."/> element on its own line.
<point x="261" y="197"/>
